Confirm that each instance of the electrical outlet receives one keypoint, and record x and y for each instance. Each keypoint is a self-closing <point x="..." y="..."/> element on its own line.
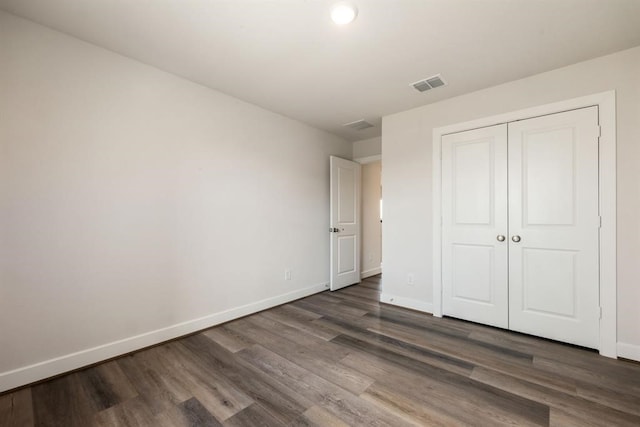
<point x="410" y="279"/>
<point x="287" y="274"/>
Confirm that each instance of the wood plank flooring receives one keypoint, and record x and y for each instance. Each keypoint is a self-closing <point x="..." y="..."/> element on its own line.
<point x="340" y="359"/>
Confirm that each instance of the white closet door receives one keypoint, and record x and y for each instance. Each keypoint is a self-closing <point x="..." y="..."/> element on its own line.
<point x="474" y="208"/>
<point x="553" y="222"/>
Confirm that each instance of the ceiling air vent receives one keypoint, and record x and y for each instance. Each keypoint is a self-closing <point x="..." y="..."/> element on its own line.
<point x="429" y="83"/>
<point x="358" y="125"/>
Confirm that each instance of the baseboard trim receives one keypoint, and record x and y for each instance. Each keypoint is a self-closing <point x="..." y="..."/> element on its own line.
<point x="411" y="303"/>
<point x="69" y="362"/>
<point x="629" y="351"/>
<point x="371" y="272"/>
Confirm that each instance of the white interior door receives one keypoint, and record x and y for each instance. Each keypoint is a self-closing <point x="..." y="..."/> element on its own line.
<point x="474" y="225"/>
<point x="344" y="222"/>
<point x="554" y="221"/>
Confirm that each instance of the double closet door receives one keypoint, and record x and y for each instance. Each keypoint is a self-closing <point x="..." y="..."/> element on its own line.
<point x="520" y="226"/>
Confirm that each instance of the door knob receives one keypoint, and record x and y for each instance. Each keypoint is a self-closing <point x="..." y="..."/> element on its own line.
<point x="500" y="238"/>
<point x="515" y="238"/>
<point x="334" y="230"/>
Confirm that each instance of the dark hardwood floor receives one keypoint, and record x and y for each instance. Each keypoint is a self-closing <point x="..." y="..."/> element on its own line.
<point x="336" y="359"/>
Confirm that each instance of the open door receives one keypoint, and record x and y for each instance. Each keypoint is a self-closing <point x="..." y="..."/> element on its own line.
<point x="344" y="222"/>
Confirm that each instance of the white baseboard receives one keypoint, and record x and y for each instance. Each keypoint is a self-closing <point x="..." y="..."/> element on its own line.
<point x="69" y="362"/>
<point x="629" y="351"/>
<point x="371" y="272"/>
<point x="411" y="303"/>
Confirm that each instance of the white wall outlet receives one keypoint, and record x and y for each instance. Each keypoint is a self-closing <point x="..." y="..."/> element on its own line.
<point x="410" y="279"/>
<point x="287" y="274"/>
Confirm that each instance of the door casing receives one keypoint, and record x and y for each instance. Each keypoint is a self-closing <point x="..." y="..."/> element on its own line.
<point x="605" y="101"/>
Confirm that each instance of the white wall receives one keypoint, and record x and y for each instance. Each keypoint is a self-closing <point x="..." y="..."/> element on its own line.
<point x="367" y="147"/>
<point x="371" y="228"/>
<point x="407" y="145"/>
<point x="136" y="206"/>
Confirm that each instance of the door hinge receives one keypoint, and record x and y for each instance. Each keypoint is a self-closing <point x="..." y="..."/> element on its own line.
<point x="599" y="221"/>
<point x="599" y="131"/>
<point x="600" y="312"/>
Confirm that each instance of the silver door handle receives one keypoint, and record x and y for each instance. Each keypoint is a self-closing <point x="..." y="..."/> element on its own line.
<point x="500" y="238"/>
<point x="515" y="238"/>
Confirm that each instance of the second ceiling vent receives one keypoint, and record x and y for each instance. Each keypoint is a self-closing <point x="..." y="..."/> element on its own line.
<point x="429" y="83"/>
<point x="358" y="125"/>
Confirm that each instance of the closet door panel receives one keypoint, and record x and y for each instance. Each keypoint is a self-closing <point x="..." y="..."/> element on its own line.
<point x="474" y="189"/>
<point x="553" y="221"/>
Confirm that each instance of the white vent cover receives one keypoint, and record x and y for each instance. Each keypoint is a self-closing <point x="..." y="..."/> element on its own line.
<point x="429" y="83"/>
<point x="358" y="125"/>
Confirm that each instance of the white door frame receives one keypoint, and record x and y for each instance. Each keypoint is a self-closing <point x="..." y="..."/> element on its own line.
<point x="606" y="102"/>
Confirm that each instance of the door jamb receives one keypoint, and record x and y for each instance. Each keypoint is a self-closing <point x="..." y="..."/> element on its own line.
<point x="605" y="101"/>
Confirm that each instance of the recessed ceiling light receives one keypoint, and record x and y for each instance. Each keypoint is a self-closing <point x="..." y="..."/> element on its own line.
<point x="344" y="12"/>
